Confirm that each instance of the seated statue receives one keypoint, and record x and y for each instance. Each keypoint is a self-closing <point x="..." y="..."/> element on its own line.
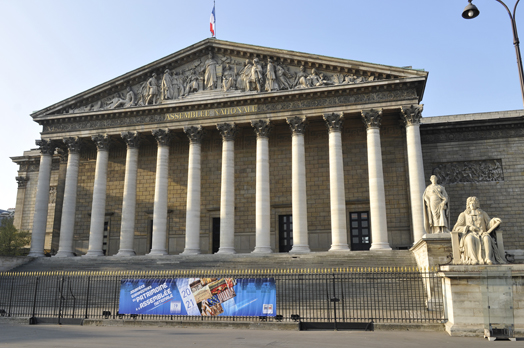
<point x="474" y="227"/>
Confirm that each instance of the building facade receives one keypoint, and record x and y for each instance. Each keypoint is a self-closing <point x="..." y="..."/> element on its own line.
<point x="226" y="147"/>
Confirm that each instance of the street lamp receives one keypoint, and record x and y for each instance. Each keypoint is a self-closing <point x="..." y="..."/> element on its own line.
<point x="471" y="11"/>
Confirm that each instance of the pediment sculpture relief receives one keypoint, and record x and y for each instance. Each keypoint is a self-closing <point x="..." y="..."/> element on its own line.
<point x="220" y="75"/>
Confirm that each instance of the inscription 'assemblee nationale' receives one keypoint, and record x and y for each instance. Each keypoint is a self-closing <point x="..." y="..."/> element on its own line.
<point x="237" y="110"/>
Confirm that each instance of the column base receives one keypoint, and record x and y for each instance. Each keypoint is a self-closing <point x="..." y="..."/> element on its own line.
<point x="93" y="253"/>
<point x="380" y="246"/>
<point x="62" y="253"/>
<point x="36" y="254"/>
<point x="126" y="252"/>
<point x="339" y="247"/>
<point x="299" y="249"/>
<point x="262" y="250"/>
<point x="188" y="251"/>
<point x="157" y="252"/>
<point x="227" y="250"/>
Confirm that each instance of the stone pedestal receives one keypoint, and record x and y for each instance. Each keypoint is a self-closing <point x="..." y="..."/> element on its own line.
<point x="432" y="250"/>
<point x="479" y="297"/>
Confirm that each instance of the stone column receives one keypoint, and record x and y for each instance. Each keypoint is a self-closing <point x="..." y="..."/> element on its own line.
<point x="227" y="189"/>
<point x="411" y="116"/>
<point x="47" y="150"/>
<point x="67" y="225"/>
<point x="262" y="206"/>
<point x="298" y="190"/>
<point x="377" y="195"/>
<point x="127" y="229"/>
<point x="98" y="209"/>
<point x="20" y="200"/>
<point x="195" y="135"/>
<point x="339" y="236"/>
<point x="163" y="138"/>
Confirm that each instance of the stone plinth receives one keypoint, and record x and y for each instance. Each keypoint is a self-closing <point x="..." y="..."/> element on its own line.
<point x="432" y="250"/>
<point x="477" y="296"/>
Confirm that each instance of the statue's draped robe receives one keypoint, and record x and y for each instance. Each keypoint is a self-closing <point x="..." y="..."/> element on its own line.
<point x="210" y="78"/>
<point x="435" y="216"/>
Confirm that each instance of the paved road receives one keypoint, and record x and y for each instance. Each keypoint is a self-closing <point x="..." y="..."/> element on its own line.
<point x="22" y="336"/>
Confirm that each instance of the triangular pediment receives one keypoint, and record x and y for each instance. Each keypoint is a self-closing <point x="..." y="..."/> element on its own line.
<point x="214" y="69"/>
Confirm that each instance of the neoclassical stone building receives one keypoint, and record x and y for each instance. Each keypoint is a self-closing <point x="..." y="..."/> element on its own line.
<point x="226" y="147"/>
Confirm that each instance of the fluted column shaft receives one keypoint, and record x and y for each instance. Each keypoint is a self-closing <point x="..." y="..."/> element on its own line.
<point x="339" y="239"/>
<point x="96" y="234"/>
<point x="193" y="191"/>
<point x="298" y="186"/>
<point x="67" y="225"/>
<point x="377" y="195"/>
<point x="41" y="199"/>
<point x="158" y="245"/>
<point x="227" y="189"/>
<point x="411" y="117"/>
<point x="262" y="200"/>
<point x="127" y="229"/>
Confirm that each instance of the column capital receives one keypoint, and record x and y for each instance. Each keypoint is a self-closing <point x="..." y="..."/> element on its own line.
<point x="297" y="124"/>
<point x="411" y="114"/>
<point x="102" y="142"/>
<point x="262" y="128"/>
<point x="47" y="147"/>
<point x="372" y="118"/>
<point x="163" y="136"/>
<point x="194" y="133"/>
<point x="334" y="121"/>
<point x="131" y="139"/>
<point x="22" y="181"/>
<point x="62" y="154"/>
<point x="228" y="131"/>
<point x="74" y="144"/>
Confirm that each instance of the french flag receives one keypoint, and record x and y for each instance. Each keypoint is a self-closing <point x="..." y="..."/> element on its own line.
<point x="212" y="23"/>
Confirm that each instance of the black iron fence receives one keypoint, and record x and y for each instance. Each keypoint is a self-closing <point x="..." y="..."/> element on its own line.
<point x="341" y="295"/>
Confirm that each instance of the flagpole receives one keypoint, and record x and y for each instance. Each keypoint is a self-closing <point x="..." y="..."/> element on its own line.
<point x="214" y="8"/>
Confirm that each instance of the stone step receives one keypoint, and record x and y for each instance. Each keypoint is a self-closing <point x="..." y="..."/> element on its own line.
<point x="393" y="258"/>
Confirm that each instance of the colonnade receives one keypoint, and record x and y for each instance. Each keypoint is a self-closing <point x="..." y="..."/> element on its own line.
<point x="379" y="233"/>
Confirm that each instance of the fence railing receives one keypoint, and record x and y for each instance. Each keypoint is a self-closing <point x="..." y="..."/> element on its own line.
<point x="389" y="294"/>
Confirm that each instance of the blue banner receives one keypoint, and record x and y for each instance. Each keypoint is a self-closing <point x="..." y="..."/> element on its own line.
<point x="199" y="296"/>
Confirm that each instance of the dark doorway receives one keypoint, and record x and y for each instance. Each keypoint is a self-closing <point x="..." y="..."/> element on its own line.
<point x="105" y="242"/>
<point x="150" y="234"/>
<point x="285" y="233"/>
<point x="360" y="230"/>
<point x="216" y="234"/>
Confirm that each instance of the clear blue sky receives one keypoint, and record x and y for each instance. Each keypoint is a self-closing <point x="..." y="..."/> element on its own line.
<point x="54" y="49"/>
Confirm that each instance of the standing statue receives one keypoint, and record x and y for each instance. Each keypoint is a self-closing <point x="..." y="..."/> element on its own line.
<point x="152" y="90"/>
<point x="210" y="77"/>
<point x="476" y="244"/>
<point x="245" y="74"/>
<point x="177" y="85"/>
<point x="257" y="75"/>
<point x="436" y="208"/>
<point x="283" y="77"/>
<point x="228" y="79"/>
<point x="271" y="77"/>
<point x="192" y="83"/>
<point x="167" y="85"/>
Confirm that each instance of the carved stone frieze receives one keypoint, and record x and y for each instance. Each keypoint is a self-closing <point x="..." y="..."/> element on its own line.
<point x="22" y="181"/>
<point x="47" y="147"/>
<point x="412" y="114"/>
<point x="372" y="117"/>
<point x="469" y="171"/>
<point x="163" y="136"/>
<point x="262" y="128"/>
<point x="131" y="139"/>
<point x="334" y="121"/>
<point x="102" y="142"/>
<point x="194" y="133"/>
<point x="297" y="124"/>
<point x="227" y="130"/>
<point x="74" y="144"/>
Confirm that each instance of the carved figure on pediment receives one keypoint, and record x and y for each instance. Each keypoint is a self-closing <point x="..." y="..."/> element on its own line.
<point x="229" y="80"/>
<point x="191" y="83"/>
<point x="284" y="77"/>
<point x="313" y="78"/>
<point x="475" y="228"/>
<point x="436" y="207"/>
<point x="349" y="79"/>
<point x="257" y="76"/>
<point x="118" y="101"/>
<point x="177" y="85"/>
<point x="210" y="77"/>
<point x="301" y="80"/>
<point x="271" y="77"/>
<point x="324" y="81"/>
<point x="338" y="79"/>
<point x="167" y="86"/>
<point x="152" y="90"/>
<point x="245" y="75"/>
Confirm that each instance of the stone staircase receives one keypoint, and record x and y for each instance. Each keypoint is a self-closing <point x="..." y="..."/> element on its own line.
<point x="316" y="260"/>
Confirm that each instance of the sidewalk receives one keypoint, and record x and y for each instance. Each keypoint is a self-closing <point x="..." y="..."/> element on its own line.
<point x="54" y="336"/>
